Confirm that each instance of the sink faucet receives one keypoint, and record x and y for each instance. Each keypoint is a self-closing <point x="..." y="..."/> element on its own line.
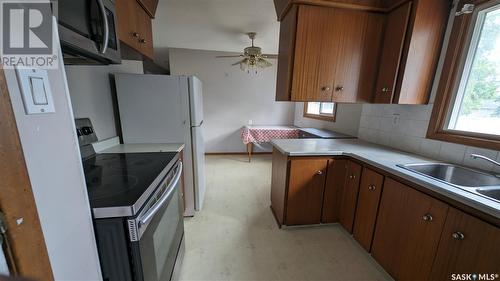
<point x="477" y="156"/>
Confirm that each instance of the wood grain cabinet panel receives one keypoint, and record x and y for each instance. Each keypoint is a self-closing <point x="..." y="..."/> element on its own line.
<point x="349" y="195"/>
<point x="396" y="23"/>
<point x="409" y="226"/>
<point x="370" y="190"/>
<point x="315" y="54"/>
<point x="328" y="54"/>
<point x="305" y="191"/>
<point x="135" y="27"/>
<point x="468" y="245"/>
<point x="335" y="179"/>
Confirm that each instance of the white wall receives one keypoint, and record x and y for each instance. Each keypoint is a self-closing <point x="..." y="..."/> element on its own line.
<point x="231" y="97"/>
<point x="347" y="121"/>
<point x="92" y="94"/>
<point x="54" y="166"/>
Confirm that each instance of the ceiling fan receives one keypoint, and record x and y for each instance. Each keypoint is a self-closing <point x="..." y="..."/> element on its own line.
<point x="253" y="58"/>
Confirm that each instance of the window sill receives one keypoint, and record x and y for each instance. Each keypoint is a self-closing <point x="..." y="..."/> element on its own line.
<point x="320" y="117"/>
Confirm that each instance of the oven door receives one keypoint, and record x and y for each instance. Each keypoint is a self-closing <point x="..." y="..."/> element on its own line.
<point x="160" y="230"/>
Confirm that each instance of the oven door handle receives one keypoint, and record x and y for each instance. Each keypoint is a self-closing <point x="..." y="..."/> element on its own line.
<point x="168" y="191"/>
<point x="106" y="27"/>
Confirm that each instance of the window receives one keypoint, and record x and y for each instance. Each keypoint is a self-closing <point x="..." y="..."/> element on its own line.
<point x="467" y="108"/>
<point x="320" y="110"/>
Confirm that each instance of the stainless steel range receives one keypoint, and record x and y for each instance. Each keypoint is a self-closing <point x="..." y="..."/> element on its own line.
<point x="137" y="208"/>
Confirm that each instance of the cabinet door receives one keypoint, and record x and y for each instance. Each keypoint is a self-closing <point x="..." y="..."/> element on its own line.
<point x="468" y="245"/>
<point x="349" y="195"/>
<point x="358" y="39"/>
<point x="145" y="33"/>
<point x="395" y="32"/>
<point x="367" y="207"/>
<point x="409" y="225"/>
<point x="335" y="179"/>
<point x="149" y="6"/>
<point x="305" y="191"/>
<point x="315" y="54"/>
<point x="128" y="31"/>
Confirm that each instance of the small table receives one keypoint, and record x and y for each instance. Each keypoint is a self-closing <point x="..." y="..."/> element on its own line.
<point x="260" y="134"/>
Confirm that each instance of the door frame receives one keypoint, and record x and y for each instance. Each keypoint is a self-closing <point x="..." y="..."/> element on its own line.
<point x="24" y="234"/>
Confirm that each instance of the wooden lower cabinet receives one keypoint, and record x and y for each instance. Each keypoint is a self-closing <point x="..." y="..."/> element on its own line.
<point x="305" y="191"/>
<point x="467" y="246"/>
<point x="349" y="195"/>
<point x="408" y="229"/>
<point x="370" y="190"/>
<point x="333" y="188"/>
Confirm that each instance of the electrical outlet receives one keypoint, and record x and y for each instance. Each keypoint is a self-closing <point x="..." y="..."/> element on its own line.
<point x="395" y="119"/>
<point x="250" y="122"/>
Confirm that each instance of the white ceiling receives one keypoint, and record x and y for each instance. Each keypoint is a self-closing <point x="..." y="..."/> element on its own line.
<point x="218" y="25"/>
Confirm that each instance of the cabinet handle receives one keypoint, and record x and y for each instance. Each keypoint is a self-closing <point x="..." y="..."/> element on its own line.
<point x="339" y="88"/>
<point x="325" y="88"/>
<point x="142" y="41"/>
<point x="319" y="173"/>
<point x="428" y="218"/>
<point x="352" y="177"/>
<point x="372" y="187"/>
<point x="135" y="34"/>
<point x="458" y="235"/>
<point x="385" y="90"/>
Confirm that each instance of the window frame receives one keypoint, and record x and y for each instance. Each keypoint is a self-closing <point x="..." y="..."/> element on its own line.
<point x="451" y="76"/>
<point x="323" y="117"/>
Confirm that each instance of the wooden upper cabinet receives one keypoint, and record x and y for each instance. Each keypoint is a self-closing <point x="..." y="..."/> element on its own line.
<point x="149" y="6"/>
<point x="305" y="191"/>
<point x="358" y="45"/>
<point x="370" y="190"/>
<point x="145" y="34"/>
<point x="135" y="27"/>
<point x="315" y="54"/>
<point x="396" y="24"/>
<point x="408" y="230"/>
<point x="328" y="54"/>
<point x="349" y="195"/>
<point x="468" y="245"/>
<point x="412" y="44"/>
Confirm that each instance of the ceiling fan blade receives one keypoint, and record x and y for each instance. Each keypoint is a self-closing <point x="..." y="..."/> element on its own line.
<point x="234" y="56"/>
<point x="269" y="56"/>
<point x="240" y="62"/>
<point x="263" y="63"/>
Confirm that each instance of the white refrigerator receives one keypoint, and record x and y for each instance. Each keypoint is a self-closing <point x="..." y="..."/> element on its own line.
<point x="166" y="109"/>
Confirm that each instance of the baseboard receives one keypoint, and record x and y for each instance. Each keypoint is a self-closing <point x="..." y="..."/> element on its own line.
<point x="236" y="153"/>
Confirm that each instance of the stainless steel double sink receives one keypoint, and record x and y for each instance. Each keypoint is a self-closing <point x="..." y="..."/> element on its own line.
<point x="474" y="181"/>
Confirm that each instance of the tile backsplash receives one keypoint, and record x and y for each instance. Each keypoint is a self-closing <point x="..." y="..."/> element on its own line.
<point x="404" y="127"/>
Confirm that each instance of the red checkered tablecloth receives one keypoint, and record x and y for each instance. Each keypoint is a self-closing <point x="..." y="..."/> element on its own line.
<point x="260" y="134"/>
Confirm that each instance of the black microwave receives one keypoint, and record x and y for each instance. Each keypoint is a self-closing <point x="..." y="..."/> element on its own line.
<point x="87" y="31"/>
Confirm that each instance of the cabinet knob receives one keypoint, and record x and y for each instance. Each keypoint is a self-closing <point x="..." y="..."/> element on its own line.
<point x="385" y="90"/>
<point x="142" y="41"/>
<point x="325" y="88"/>
<point x="458" y="235"/>
<point x="428" y="218"/>
<point x="319" y="173"/>
<point x="372" y="187"/>
<point x="339" y="89"/>
<point x="352" y="177"/>
<point x="135" y="34"/>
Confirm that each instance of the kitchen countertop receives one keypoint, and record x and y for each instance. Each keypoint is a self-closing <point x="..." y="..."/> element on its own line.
<point x="386" y="159"/>
<point x="142" y="147"/>
<point x="326" y="134"/>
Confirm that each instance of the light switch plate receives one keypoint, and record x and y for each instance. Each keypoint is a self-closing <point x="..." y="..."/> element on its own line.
<point x="36" y="91"/>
